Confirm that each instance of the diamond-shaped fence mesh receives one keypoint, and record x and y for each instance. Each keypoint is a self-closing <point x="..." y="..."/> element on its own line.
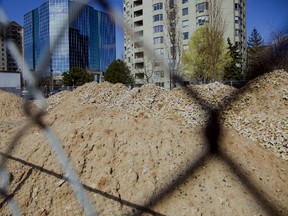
<point x="81" y="198"/>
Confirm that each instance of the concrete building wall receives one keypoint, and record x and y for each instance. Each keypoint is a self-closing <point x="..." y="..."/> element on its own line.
<point x="12" y="32"/>
<point x="139" y="15"/>
<point x="3" y="55"/>
<point x="15" y="33"/>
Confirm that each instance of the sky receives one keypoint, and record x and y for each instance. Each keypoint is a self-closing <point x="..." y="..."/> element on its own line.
<point x="266" y="16"/>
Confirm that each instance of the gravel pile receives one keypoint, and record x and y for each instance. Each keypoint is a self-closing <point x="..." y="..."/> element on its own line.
<point x="150" y="100"/>
<point x="260" y="112"/>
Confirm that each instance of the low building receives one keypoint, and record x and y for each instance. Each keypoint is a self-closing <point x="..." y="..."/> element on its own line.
<point x="11" y="81"/>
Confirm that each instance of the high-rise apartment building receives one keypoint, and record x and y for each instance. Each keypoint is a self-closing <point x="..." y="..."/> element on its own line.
<point x="149" y="22"/>
<point x="88" y="42"/>
<point x="13" y="31"/>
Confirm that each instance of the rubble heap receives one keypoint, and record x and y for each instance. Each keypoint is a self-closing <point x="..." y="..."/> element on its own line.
<point x="260" y="112"/>
<point x="10" y="106"/>
<point x="144" y="150"/>
<point x="150" y="100"/>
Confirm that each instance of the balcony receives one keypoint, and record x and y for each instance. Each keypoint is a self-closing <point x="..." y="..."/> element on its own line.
<point x="137" y="3"/>
<point x="138" y="13"/>
<point x="139" y="75"/>
<point x="138" y="34"/>
<point x="138" y="23"/>
<point x="139" y="65"/>
<point x="139" y="55"/>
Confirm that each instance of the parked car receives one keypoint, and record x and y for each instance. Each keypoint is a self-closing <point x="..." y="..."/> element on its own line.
<point x="27" y="94"/>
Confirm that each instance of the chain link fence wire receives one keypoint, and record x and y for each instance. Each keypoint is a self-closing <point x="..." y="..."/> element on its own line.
<point x="212" y="134"/>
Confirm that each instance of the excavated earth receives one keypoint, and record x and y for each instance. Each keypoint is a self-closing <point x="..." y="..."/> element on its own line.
<point x="148" y="151"/>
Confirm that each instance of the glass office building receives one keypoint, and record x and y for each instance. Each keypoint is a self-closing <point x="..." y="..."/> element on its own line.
<point x="88" y="42"/>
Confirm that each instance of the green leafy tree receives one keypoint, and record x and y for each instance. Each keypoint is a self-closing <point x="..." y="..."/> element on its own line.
<point x="233" y="68"/>
<point x="76" y="77"/>
<point x="206" y="56"/>
<point x="118" y="72"/>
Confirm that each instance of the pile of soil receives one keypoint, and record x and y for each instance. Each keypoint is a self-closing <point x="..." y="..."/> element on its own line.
<point x="145" y="151"/>
<point x="10" y="106"/>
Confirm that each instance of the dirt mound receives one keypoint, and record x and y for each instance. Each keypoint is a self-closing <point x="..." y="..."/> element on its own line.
<point x="11" y="106"/>
<point x="145" y="150"/>
<point x="260" y="112"/>
<point x="148" y="100"/>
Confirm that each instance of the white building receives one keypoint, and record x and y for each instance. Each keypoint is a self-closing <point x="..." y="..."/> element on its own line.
<point x="149" y="22"/>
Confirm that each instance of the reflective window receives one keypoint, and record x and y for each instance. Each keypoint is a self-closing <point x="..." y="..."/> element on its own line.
<point x="157" y="6"/>
<point x="158" y="28"/>
<point x="201" y="7"/>
<point x="185" y="23"/>
<point x="184" y="11"/>
<point x="158" y="74"/>
<point x="159" y="51"/>
<point x="201" y="20"/>
<point x="238" y="20"/>
<point x="238" y="32"/>
<point x="185" y="35"/>
<point x="157" y="17"/>
<point x="158" y="40"/>
<point x="237" y="7"/>
<point x="88" y="42"/>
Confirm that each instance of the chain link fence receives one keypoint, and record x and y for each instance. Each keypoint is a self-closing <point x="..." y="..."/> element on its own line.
<point x="212" y="133"/>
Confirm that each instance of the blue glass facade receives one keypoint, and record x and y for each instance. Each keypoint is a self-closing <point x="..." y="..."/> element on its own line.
<point x="88" y="42"/>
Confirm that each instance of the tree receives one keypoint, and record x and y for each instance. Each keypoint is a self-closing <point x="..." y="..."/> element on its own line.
<point x="256" y="53"/>
<point x="146" y="73"/>
<point x="207" y="55"/>
<point x="232" y="70"/>
<point x="255" y="41"/>
<point x="199" y="61"/>
<point x="173" y="40"/>
<point x="280" y="49"/>
<point x="76" y="77"/>
<point x="118" y="72"/>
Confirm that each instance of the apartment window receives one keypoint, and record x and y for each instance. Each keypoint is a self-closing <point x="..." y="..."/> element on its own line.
<point x="237" y="32"/>
<point x="184" y="11"/>
<point x="139" y="55"/>
<point x="184" y="1"/>
<point x="158" y="28"/>
<point x="138" y="23"/>
<point x="237" y="7"/>
<point x="185" y="35"/>
<point x="157" y="6"/>
<point x="237" y="20"/>
<point x="139" y="65"/>
<point x="201" y="7"/>
<point x="185" y="23"/>
<point x="138" y="44"/>
<point x="158" y="64"/>
<point x="159" y="51"/>
<point x="138" y="13"/>
<point x="137" y="3"/>
<point x="139" y="33"/>
<point x="160" y="84"/>
<point x="158" y="74"/>
<point x="158" y="40"/>
<point x="157" y="17"/>
<point x="201" y="20"/>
